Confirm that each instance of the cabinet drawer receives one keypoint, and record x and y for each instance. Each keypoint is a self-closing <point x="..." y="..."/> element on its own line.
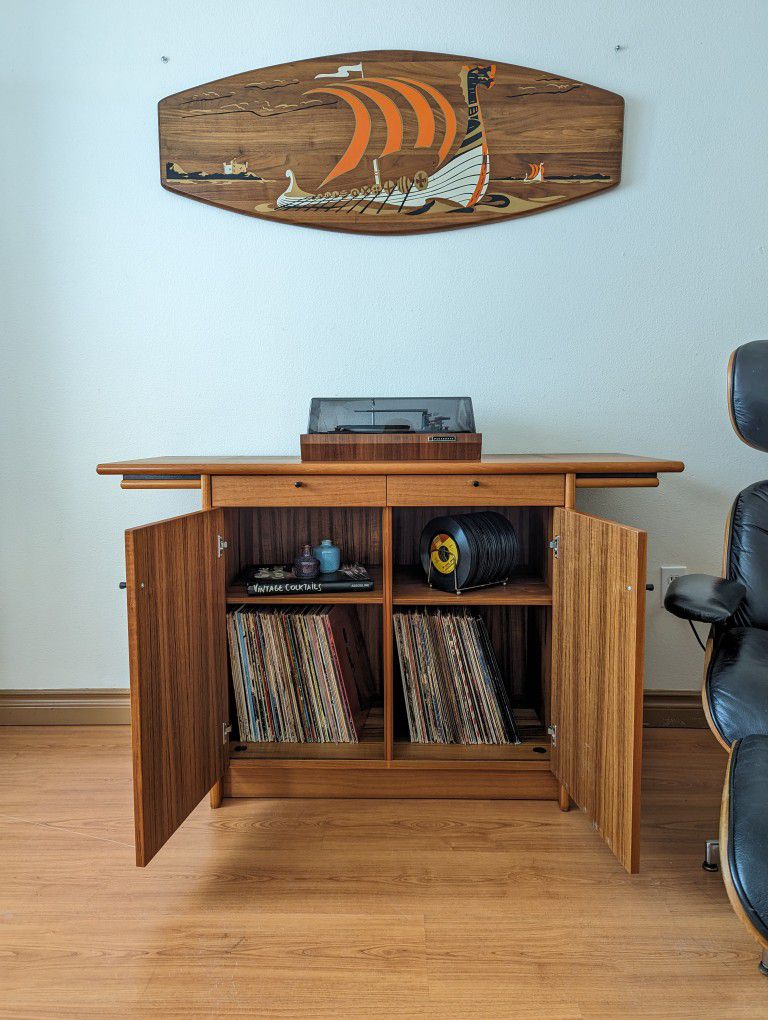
<point x="298" y="490"/>
<point x="476" y="490"/>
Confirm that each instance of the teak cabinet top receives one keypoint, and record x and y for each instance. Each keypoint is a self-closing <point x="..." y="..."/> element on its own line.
<point x="585" y="464"/>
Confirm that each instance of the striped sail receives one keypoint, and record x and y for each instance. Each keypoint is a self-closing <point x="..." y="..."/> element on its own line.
<point x="462" y="181"/>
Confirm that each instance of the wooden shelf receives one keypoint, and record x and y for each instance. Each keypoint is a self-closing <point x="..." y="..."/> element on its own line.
<point x="410" y="589"/>
<point x="535" y="747"/>
<point x="528" y="750"/>
<point x="369" y="746"/>
<point x="237" y="595"/>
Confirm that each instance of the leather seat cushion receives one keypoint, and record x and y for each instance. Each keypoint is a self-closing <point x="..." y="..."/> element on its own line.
<point x="748" y="828"/>
<point x="748" y="554"/>
<point x="737" y="683"/>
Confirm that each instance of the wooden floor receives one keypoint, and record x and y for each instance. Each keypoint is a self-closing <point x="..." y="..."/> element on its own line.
<point x="354" y="909"/>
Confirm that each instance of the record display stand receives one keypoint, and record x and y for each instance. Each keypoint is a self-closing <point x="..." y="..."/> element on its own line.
<point x="469" y="587"/>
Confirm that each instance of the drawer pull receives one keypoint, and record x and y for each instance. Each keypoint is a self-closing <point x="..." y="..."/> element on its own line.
<point x="298" y="485"/>
<point x="476" y="484"/>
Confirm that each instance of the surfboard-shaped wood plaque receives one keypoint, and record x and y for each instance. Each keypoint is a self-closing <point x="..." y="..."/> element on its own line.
<point x="391" y="142"/>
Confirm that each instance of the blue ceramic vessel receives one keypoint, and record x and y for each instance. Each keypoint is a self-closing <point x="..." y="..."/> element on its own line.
<point x="329" y="556"/>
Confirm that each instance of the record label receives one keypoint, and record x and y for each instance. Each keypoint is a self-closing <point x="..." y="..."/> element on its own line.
<point x="444" y="554"/>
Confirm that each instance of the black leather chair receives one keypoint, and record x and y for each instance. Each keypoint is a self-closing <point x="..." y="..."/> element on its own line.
<point x="744" y="836"/>
<point x="735" y="689"/>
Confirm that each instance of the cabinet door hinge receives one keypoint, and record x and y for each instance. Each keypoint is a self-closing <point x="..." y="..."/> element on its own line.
<point x="221" y="545"/>
<point x="552" y="731"/>
<point x="554" y="545"/>
<point x="226" y="729"/>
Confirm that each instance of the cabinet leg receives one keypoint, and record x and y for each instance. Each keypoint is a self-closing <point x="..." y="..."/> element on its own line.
<point x="563" y="799"/>
<point x="216" y="795"/>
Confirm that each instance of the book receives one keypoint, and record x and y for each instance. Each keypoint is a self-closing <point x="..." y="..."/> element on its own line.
<point x="453" y="686"/>
<point x="281" y="580"/>
<point x="300" y="675"/>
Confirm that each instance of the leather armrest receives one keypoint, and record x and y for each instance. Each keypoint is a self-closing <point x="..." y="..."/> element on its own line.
<point x="704" y="598"/>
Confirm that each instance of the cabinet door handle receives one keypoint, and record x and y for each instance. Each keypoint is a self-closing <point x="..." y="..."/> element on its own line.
<point x="476" y="484"/>
<point x="298" y="485"/>
<point x="122" y="586"/>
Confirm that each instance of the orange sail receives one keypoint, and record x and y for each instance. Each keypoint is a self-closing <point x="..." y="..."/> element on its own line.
<point x="448" y="115"/>
<point x="392" y="118"/>
<point x="424" y="116"/>
<point x="425" y="119"/>
<point x="360" y="138"/>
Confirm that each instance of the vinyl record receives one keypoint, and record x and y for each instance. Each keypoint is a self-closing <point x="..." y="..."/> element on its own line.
<point x="446" y="554"/>
<point x="468" y="550"/>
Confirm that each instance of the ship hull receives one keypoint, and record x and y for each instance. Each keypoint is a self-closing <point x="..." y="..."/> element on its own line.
<point x="462" y="181"/>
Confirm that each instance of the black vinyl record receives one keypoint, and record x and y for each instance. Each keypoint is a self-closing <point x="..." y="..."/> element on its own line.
<point x="468" y="550"/>
<point x="445" y="552"/>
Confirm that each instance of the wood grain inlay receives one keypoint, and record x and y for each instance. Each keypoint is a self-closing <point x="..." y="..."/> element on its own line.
<point x="391" y="141"/>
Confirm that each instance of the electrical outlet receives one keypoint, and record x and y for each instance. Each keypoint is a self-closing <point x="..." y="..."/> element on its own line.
<point x="668" y="575"/>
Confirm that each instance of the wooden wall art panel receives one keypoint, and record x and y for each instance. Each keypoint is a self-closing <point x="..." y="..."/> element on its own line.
<point x="391" y="141"/>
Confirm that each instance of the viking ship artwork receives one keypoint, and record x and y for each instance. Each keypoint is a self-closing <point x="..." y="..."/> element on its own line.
<point x="391" y="142"/>
<point x="462" y="180"/>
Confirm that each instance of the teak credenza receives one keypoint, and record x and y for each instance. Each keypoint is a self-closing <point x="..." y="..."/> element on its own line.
<point x="568" y="633"/>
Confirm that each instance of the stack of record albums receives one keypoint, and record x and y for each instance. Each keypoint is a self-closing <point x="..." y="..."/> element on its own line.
<point x="299" y="674"/>
<point x="453" y="687"/>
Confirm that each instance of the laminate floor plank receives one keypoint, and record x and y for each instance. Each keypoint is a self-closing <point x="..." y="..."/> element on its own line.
<point x="323" y="909"/>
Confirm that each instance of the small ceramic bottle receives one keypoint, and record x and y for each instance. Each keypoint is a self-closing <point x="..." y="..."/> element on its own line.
<point x="329" y="556"/>
<point x="306" y="566"/>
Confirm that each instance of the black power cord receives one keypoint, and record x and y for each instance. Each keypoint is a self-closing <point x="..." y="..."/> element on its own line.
<point x="696" y="635"/>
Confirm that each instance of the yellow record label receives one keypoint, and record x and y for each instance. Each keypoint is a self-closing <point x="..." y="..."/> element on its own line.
<point x="444" y="554"/>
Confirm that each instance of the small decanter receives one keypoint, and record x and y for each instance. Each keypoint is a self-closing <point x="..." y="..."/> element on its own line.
<point x="305" y="566"/>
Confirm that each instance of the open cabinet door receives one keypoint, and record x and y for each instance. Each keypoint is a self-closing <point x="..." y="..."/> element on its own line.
<point x="598" y="628"/>
<point x="177" y="642"/>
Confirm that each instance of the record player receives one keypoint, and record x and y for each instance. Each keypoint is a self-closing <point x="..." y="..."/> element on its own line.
<point x="391" y="429"/>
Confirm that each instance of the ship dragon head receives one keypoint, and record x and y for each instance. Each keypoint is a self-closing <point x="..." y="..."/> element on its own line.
<point x="471" y="78"/>
<point x="483" y="75"/>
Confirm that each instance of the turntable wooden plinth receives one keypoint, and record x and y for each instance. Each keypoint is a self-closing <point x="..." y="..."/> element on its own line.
<point x="396" y="446"/>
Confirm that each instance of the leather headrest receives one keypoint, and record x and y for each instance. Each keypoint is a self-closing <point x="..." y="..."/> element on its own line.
<point x="748" y="393"/>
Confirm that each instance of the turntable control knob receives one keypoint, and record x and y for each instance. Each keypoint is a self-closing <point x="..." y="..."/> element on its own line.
<point x="476" y="484"/>
<point x="298" y="484"/>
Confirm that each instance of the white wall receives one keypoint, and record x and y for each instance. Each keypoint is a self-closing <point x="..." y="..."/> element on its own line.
<point x="136" y="323"/>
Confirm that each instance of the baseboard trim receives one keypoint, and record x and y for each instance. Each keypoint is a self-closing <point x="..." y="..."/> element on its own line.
<point x="681" y="710"/>
<point x="102" y="707"/>
<point x="112" y="707"/>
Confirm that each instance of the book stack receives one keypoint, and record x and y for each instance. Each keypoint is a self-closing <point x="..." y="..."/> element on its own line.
<point x="454" y="691"/>
<point x="281" y="580"/>
<point x="299" y="675"/>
